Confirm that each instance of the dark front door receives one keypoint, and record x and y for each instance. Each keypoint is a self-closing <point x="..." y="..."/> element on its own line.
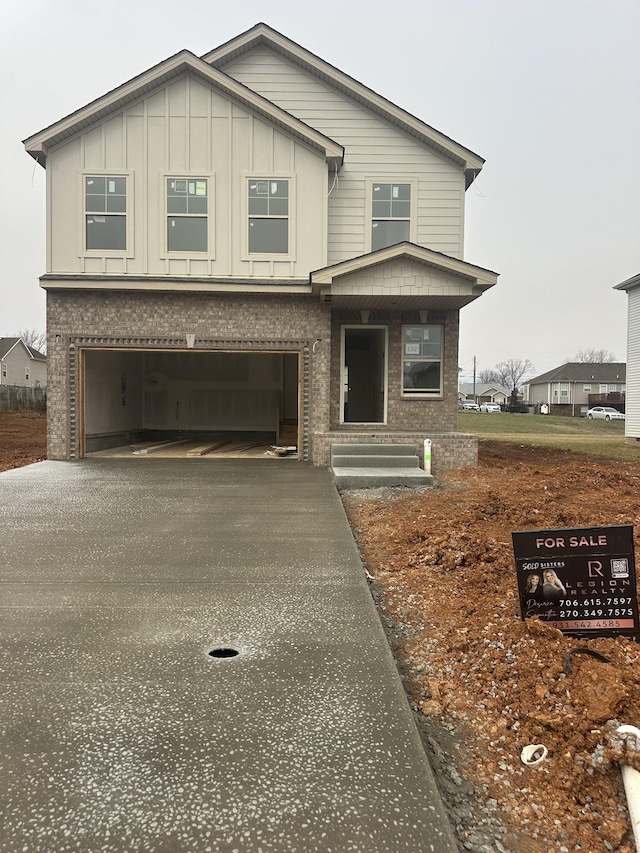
<point x="363" y="375"/>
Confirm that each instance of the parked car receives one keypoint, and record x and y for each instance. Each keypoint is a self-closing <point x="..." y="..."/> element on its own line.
<point x="469" y="406"/>
<point x="606" y="413"/>
<point x="490" y="407"/>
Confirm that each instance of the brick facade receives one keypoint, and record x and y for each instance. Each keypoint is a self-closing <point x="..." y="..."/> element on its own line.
<point x="148" y="320"/>
<point x="80" y="320"/>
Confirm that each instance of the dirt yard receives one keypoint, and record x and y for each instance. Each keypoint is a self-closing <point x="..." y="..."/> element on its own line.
<point x="483" y="683"/>
<point x="23" y="439"/>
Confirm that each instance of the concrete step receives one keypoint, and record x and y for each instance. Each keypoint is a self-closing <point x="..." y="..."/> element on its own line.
<point x="355" y="461"/>
<point x="372" y="478"/>
<point x="373" y="450"/>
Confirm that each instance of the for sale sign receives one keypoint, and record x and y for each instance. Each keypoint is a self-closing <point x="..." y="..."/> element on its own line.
<point x="579" y="580"/>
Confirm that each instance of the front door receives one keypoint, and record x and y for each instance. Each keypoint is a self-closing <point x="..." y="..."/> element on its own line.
<point x="363" y="374"/>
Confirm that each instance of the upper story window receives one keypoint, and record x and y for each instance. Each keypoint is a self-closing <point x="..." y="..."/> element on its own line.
<point x="390" y="214"/>
<point x="268" y="217"/>
<point x="422" y="360"/>
<point x="4" y="370"/>
<point x="586" y="389"/>
<point x="105" y="212"/>
<point x="187" y="214"/>
<point x="27" y="374"/>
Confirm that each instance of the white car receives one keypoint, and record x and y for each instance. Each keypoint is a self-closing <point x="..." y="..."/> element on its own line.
<point x="490" y="407"/>
<point x="605" y="413"/>
<point x="469" y="406"/>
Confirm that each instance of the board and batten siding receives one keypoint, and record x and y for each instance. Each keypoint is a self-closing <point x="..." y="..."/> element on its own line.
<point x="632" y="422"/>
<point x="186" y="129"/>
<point x="374" y="149"/>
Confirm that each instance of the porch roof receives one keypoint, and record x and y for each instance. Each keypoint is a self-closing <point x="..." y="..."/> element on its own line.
<point x="404" y="276"/>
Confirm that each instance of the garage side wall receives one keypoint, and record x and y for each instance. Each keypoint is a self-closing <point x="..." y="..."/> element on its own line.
<point x="163" y="320"/>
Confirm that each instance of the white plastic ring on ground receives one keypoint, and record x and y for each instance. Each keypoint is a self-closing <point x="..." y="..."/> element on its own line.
<point x="533" y="754"/>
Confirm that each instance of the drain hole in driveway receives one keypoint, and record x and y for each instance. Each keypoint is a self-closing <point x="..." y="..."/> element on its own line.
<point x="223" y="653"/>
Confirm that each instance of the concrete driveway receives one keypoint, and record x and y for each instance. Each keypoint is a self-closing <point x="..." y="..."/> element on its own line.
<point x="122" y="732"/>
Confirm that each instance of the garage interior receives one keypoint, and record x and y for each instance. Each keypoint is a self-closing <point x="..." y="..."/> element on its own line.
<point x="211" y="402"/>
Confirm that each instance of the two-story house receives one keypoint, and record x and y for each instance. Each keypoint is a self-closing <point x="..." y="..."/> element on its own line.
<point x="250" y="238"/>
<point x="572" y="388"/>
<point x="21" y="364"/>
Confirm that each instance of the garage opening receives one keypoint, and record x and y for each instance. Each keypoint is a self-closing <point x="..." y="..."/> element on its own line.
<point x="134" y="398"/>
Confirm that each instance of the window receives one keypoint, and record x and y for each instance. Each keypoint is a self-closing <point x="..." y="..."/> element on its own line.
<point x="390" y="214"/>
<point x="187" y="214"/>
<point x="27" y="374"/>
<point x="268" y="217"/>
<point x="564" y="389"/>
<point x="613" y="388"/>
<point x="586" y="389"/>
<point x="602" y="389"/>
<point x="421" y="360"/>
<point x="4" y="370"/>
<point x="106" y="213"/>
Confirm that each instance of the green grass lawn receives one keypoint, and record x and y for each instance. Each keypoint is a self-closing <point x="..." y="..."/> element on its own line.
<point x="593" y="437"/>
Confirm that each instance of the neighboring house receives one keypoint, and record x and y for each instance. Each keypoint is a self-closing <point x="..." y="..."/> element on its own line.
<point x="485" y="392"/>
<point x="21" y="365"/>
<point x="632" y="421"/>
<point x="248" y="239"/>
<point x="574" y="387"/>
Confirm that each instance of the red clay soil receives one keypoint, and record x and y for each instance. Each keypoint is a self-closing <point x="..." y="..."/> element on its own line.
<point x="23" y="439"/>
<point x="443" y="562"/>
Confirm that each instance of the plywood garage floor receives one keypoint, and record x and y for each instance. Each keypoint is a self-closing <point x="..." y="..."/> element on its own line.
<point x="233" y="450"/>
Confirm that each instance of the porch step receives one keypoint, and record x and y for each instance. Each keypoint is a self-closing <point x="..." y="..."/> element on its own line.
<point x="369" y="466"/>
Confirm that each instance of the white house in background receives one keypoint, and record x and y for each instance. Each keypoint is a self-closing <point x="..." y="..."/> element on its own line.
<point x="21" y="364"/>
<point x="484" y="392"/>
<point x="632" y="422"/>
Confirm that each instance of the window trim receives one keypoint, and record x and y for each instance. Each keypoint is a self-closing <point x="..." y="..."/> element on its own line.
<point x="210" y="177"/>
<point x="421" y="394"/>
<point x="412" y="180"/>
<point x="3" y="369"/>
<point x="128" y="251"/>
<point x="290" y="255"/>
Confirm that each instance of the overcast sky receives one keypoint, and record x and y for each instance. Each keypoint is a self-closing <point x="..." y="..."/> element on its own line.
<point x="547" y="91"/>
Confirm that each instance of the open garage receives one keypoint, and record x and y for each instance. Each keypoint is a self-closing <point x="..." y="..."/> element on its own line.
<point x="140" y="398"/>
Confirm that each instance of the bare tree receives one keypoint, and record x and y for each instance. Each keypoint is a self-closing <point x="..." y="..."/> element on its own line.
<point x="594" y="356"/>
<point x="510" y="374"/>
<point x="488" y="376"/>
<point x="34" y="338"/>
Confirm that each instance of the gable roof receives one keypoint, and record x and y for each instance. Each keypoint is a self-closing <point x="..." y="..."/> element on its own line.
<point x="575" y="371"/>
<point x="481" y="277"/>
<point x="262" y="34"/>
<point x="183" y="62"/>
<point x="483" y="388"/>
<point x="7" y="344"/>
<point x="472" y="280"/>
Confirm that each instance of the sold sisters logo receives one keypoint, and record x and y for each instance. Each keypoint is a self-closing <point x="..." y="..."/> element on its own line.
<point x="580" y="580"/>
